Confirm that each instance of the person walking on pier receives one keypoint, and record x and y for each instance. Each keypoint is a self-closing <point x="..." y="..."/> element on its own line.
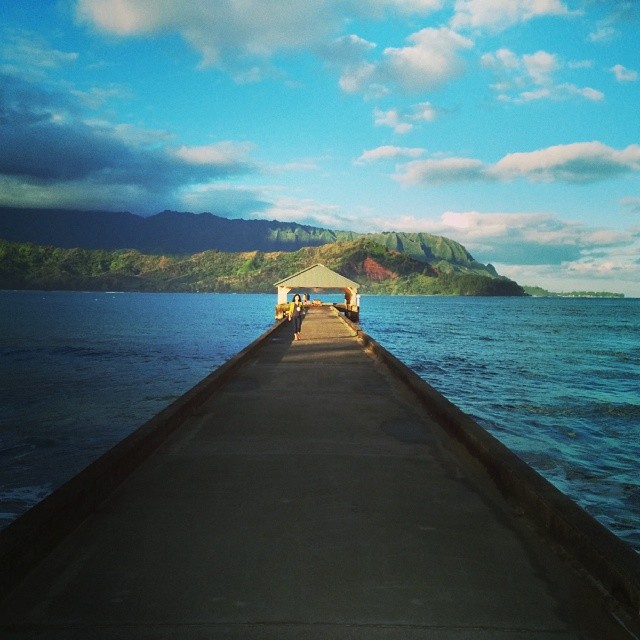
<point x="296" y="310"/>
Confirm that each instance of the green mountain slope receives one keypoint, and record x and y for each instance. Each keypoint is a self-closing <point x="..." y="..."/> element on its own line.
<point x="175" y="233"/>
<point x="448" y="254"/>
<point x="375" y="267"/>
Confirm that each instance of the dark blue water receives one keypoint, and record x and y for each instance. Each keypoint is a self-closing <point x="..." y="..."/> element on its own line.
<point x="79" y="371"/>
<point x="557" y="380"/>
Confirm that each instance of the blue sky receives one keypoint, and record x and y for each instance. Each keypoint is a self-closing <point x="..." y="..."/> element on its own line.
<point x="510" y="126"/>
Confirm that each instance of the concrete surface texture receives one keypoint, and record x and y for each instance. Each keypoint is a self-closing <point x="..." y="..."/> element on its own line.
<point x="311" y="496"/>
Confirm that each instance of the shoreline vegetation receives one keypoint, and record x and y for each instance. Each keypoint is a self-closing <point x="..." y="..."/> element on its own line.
<point x="539" y="292"/>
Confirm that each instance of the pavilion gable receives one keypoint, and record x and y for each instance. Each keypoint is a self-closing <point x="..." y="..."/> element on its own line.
<point x="317" y="277"/>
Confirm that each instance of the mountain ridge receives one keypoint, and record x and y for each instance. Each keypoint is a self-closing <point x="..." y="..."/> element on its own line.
<point x="186" y="233"/>
<point x="376" y="268"/>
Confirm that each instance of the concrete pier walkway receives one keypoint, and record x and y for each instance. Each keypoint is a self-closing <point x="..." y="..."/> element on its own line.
<point x="310" y="495"/>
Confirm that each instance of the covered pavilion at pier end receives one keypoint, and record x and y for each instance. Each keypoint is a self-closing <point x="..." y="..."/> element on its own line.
<point x="319" y="278"/>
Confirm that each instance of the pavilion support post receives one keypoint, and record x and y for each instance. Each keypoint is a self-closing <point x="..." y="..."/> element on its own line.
<point x="351" y="305"/>
<point x="282" y="294"/>
<point x="282" y="302"/>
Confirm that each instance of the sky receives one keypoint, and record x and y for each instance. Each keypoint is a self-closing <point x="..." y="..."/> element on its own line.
<point x="510" y="126"/>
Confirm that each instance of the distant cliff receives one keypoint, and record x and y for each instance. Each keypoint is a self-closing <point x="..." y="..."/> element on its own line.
<point x="375" y="267"/>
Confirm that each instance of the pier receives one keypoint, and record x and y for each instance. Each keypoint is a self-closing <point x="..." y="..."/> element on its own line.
<point x="315" y="489"/>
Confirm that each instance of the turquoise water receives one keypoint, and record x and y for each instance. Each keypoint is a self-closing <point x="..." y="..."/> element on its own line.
<point x="556" y="380"/>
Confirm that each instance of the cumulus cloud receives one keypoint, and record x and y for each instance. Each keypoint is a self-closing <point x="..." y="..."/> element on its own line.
<point x="577" y="162"/>
<point x="622" y="74"/>
<point x="389" y="153"/>
<point x="244" y="38"/>
<point x="404" y="122"/>
<point x="530" y="77"/>
<point x="228" y="34"/>
<point x="431" y="59"/>
<point x="346" y="51"/>
<point x="580" y="162"/>
<point x="497" y="15"/>
<point x="603" y="33"/>
<point x="215" y="29"/>
<point x="441" y="171"/>
<point x="222" y="154"/>
<point x="391" y="118"/>
<point x="420" y="7"/>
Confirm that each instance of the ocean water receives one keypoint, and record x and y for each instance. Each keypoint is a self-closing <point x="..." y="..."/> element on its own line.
<point x="556" y="380"/>
<point x="79" y="371"/>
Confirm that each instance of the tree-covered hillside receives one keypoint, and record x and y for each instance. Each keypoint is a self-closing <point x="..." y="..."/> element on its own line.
<point x="375" y="267"/>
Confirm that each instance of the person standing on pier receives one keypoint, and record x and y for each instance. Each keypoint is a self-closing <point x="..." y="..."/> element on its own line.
<point x="296" y="310"/>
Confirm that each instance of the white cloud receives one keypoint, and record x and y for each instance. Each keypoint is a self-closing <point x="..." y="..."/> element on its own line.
<point x="620" y="13"/>
<point x="226" y="32"/>
<point x="521" y="79"/>
<point x="577" y="162"/>
<point x="361" y="78"/>
<point x="347" y="50"/>
<point x="220" y="154"/>
<point x="431" y="59"/>
<point x="243" y="37"/>
<point x="424" y="111"/>
<point x="295" y="166"/>
<point x="402" y="123"/>
<point x="623" y="74"/>
<point x="603" y="33"/>
<point x="580" y="162"/>
<point x="497" y="15"/>
<point x="526" y="237"/>
<point x="580" y="64"/>
<point x="585" y="92"/>
<point x="440" y="171"/>
<point x="389" y="153"/>
<point x="252" y="27"/>
<point x="393" y="119"/>
<point x="540" y="66"/>
<point x="422" y="7"/>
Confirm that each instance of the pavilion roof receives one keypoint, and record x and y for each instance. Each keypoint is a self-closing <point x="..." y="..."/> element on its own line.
<point x="317" y="277"/>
